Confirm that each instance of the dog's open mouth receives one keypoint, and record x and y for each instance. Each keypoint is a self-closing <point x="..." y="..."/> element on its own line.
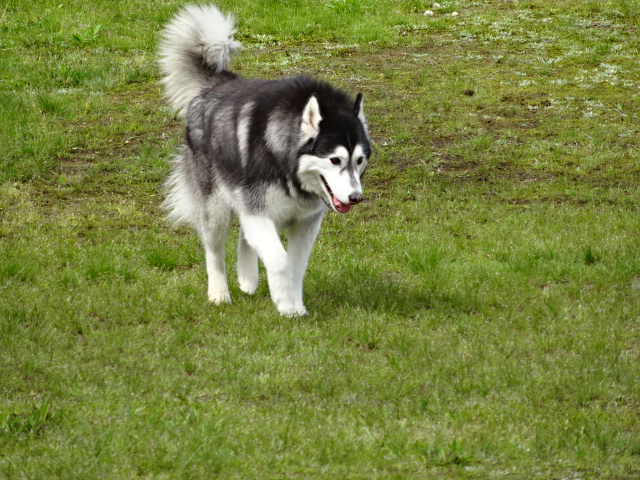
<point x="338" y="206"/>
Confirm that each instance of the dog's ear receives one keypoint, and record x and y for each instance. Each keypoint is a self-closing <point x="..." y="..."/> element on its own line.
<point x="358" y="110"/>
<point x="357" y="107"/>
<point x="311" y="118"/>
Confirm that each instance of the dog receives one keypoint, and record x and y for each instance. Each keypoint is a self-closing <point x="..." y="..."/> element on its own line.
<point x="273" y="153"/>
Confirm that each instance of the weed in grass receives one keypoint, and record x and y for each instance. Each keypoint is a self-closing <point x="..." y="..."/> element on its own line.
<point x="17" y="269"/>
<point x="104" y="263"/>
<point x="51" y="105"/>
<point x="164" y="259"/>
<point x="590" y="257"/>
<point x="139" y="76"/>
<point x="88" y="37"/>
<point x="450" y="454"/>
<point x="35" y="421"/>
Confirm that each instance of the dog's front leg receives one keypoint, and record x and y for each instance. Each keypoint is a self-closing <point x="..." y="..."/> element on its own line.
<point x="262" y="236"/>
<point x="302" y="235"/>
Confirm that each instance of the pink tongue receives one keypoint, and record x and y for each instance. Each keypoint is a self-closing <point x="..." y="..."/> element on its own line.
<point x="341" y="207"/>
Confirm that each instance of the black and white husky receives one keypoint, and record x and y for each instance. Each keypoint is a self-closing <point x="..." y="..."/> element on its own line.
<point x="272" y="153"/>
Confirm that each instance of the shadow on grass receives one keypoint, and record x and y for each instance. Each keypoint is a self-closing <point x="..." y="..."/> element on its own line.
<point x="383" y="292"/>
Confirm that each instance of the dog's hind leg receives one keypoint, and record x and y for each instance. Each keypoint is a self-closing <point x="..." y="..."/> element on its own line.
<point x="302" y="235"/>
<point x="213" y="231"/>
<point x="247" y="265"/>
<point x="262" y="236"/>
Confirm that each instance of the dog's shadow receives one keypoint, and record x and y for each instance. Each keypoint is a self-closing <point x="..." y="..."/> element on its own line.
<point x="386" y="292"/>
<point x="380" y="292"/>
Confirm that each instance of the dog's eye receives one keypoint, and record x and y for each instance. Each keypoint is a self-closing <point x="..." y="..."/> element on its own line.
<point x="335" y="160"/>
<point x="360" y="160"/>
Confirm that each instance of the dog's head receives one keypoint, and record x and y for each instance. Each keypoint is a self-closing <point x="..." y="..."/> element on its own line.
<point x="336" y="148"/>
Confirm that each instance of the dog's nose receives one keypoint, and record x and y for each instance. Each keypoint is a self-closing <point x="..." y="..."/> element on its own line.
<point x="355" y="198"/>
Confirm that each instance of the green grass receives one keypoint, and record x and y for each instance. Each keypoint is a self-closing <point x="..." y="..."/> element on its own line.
<point x="476" y="317"/>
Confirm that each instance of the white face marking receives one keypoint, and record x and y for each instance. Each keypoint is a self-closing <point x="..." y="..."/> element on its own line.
<point x="336" y="176"/>
<point x="359" y="159"/>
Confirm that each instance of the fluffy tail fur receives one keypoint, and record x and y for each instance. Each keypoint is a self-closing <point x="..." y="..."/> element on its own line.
<point x="195" y="50"/>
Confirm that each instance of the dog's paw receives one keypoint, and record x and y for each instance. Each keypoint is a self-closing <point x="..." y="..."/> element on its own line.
<point x="219" y="297"/>
<point x="248" y="285"/>
<point x="292" y="311"/>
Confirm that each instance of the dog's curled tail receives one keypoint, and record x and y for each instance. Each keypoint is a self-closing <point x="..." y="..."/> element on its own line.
<point x="195" y="51"/>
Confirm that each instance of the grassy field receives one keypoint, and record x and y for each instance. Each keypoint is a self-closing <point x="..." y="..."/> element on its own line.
<point x="477" y="317"/>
